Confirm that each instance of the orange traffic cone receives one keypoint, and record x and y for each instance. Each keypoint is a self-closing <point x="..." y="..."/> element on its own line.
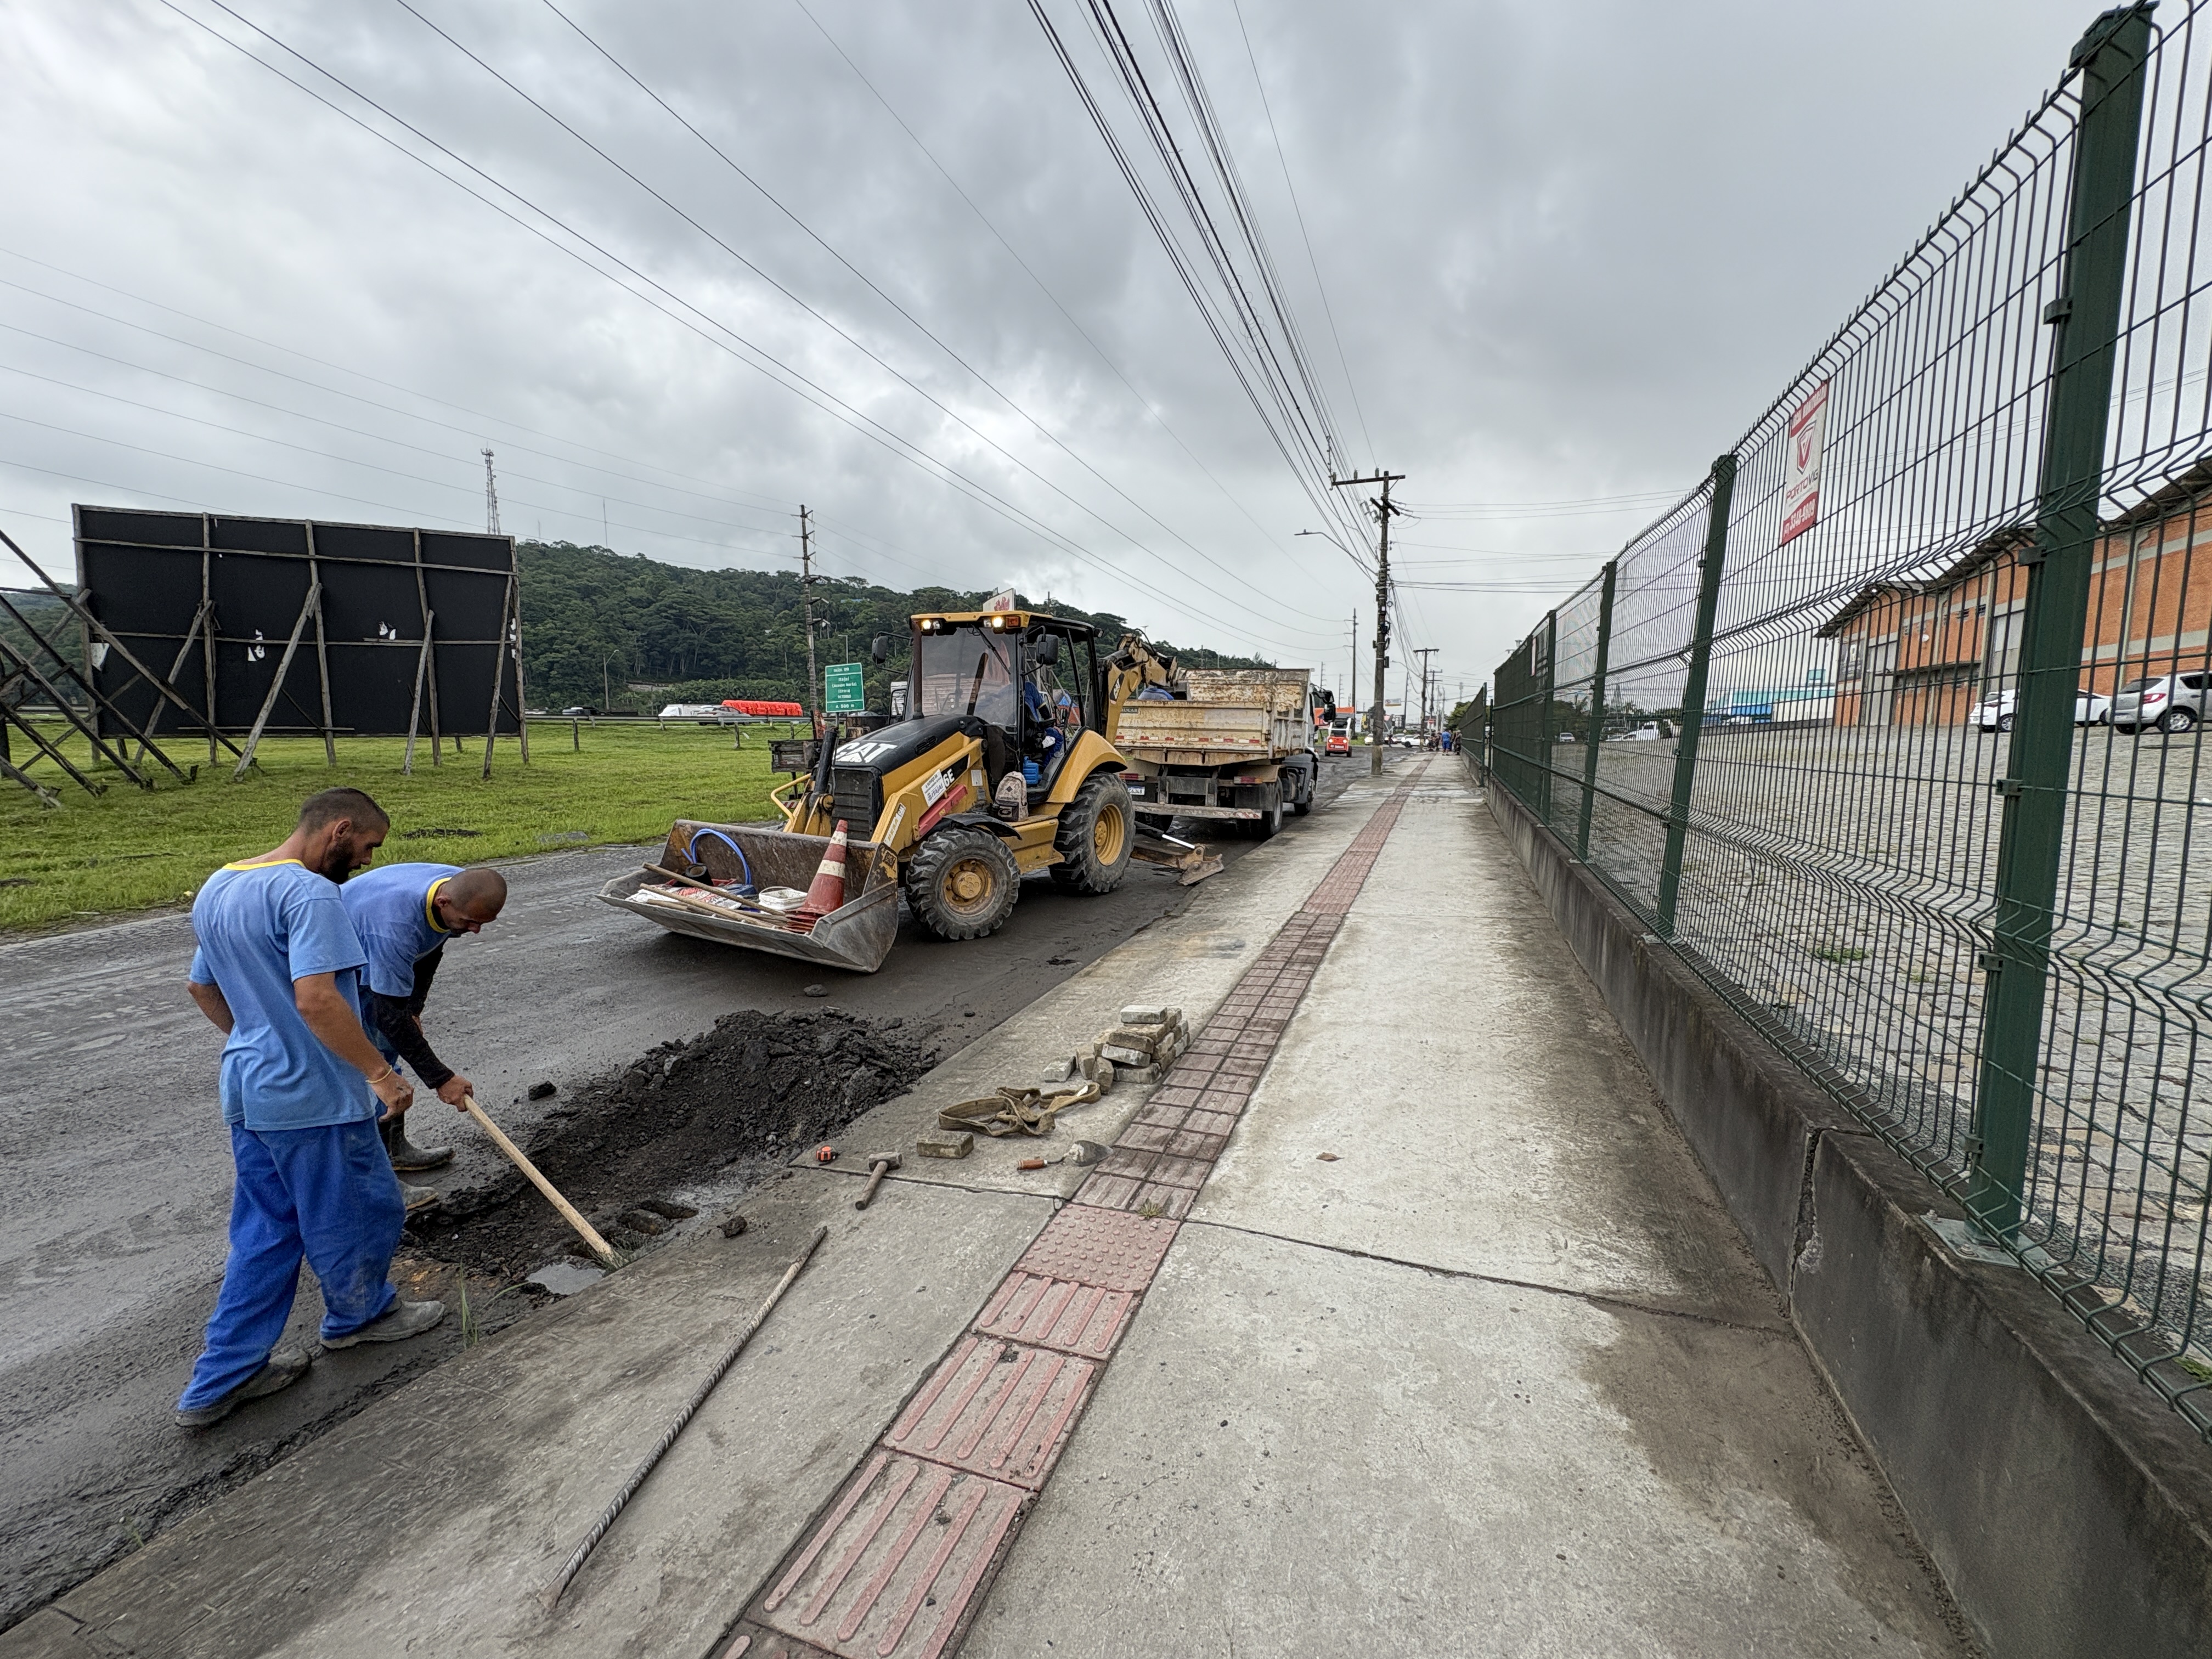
<point x="827" y="892"/>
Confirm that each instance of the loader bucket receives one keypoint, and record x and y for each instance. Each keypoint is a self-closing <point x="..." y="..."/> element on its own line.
<point x="857" y="936"/>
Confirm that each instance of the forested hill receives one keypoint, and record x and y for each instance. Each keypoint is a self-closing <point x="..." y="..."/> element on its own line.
<point x="592" y="619"/>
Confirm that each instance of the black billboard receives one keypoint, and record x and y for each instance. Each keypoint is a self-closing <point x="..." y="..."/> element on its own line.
<point x="212" y="600"/>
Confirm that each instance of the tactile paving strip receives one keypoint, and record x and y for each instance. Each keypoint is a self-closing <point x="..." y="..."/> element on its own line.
<point x="894" y="1568"/>
<point x="899" y="1556"/>
<point x="997" y="1409"/>
<point x="1107" y="1247"/>
<point x="1058" y="1313"/>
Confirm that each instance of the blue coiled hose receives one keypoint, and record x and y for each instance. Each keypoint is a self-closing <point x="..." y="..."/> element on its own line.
<point x="691" y="851"/>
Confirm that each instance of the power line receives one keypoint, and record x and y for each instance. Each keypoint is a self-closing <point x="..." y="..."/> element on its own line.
<point x="1319" y="287"/>
<point x="1310" y="473"/>
<point x="714" y="329"/>
<point x="984" y="219"/>
<point x="766" y="195"/>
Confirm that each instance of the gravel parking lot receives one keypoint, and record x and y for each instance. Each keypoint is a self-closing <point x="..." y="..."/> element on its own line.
<point x="1841" y="881"/>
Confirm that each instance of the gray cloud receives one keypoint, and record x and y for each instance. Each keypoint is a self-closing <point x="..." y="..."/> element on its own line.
<point x="1571" y="252"/>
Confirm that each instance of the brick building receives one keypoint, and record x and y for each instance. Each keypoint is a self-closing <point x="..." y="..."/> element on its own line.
<point x="1923" y="652"/>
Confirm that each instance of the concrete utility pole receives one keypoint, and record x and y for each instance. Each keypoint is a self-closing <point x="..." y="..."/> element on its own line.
<point x="1384" y="512"/>
<point x="806" y="604"/>
<point x="1351" y="697"/>
<point x="1424" y="653"/>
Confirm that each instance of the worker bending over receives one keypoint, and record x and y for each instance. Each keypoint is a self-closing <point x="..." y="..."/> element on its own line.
<point x="405" y="914"/>
<point x="275" y="971"/>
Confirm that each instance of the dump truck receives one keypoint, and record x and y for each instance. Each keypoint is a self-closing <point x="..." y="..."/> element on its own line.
<point x="1236" y="743"/>
<point x="1004" y="765"/>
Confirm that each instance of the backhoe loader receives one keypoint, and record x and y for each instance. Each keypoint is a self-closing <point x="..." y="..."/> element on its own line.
<point x="1003" y="765"/>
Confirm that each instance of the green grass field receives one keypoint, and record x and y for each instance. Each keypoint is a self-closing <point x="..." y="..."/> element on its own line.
<point x="130" y="850"/>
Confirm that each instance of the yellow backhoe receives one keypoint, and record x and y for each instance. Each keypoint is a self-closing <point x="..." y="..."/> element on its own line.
<point x="1003" y="765"/>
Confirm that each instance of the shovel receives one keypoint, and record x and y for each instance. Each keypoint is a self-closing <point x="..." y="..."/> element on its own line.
<point x="601" y="1248"/>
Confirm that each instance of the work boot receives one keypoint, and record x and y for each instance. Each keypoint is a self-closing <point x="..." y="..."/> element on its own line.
<point x="282" y="1371"/>
<point x="420" y="1199"/>
<point x="405" y="1155"/>
<point x="396" y="1324"/>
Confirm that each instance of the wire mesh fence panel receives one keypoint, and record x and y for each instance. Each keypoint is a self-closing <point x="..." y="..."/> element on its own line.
<point x="1934" y="818"/>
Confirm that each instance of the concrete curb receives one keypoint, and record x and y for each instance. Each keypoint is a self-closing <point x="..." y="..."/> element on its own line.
<point x="2068" y="1509"/>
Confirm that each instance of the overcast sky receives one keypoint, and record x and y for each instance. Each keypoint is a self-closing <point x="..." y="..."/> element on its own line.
<point x="1569" y="253"/>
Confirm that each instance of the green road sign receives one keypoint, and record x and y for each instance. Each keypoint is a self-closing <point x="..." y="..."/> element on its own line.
<point x="842" y="690"/>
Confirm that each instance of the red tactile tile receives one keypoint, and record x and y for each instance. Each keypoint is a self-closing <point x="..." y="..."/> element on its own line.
<point x="1112" y="1192"/>
<point x="1000" y="1409"/>
<point x="1167" y="1171"/>
<point x="1106" y="1248"/>
<point x="752" y="1641"/>
<point x="1058" y="1313"/>
<point x="892" y="1569"/>
<point x="1180" y="1142"/>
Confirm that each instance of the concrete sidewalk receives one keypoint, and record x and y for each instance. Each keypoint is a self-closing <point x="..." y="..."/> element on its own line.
<point x="1496" y="1376"/>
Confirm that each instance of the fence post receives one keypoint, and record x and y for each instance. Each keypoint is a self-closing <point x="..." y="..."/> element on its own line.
<point x="2031" y="841"/>
<point x="1596" y="733"/>
<point x="1693" y="689"/>
<point x="1544" y="720"/>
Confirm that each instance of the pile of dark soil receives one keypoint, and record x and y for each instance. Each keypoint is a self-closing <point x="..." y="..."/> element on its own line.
<point x="682" y="1114"/>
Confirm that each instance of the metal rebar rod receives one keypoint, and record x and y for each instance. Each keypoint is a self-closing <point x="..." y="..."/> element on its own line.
<point x="607" y="1516"/>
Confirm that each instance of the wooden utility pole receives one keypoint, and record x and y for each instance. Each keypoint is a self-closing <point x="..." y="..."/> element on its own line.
<point x="806" y="605"/>
<point x="1384" y="512"/>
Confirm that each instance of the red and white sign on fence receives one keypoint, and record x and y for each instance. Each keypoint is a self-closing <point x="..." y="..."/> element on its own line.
<point x="1801" y="483"/>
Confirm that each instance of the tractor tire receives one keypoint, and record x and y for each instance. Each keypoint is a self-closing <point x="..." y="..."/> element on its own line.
<point x="961" y="883"/>
<point x="1098" y="836"/>
<point x="1270" y="820"/>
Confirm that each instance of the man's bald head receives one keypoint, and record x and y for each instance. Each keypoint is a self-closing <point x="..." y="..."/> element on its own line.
<point x="468" y="901"/>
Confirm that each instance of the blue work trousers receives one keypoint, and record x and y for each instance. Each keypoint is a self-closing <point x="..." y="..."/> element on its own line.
<point x="327" y="1195"/>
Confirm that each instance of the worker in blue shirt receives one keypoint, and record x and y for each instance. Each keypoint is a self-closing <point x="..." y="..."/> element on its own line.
<point x="405" y="914"/>
<point x="302" y="1088"/>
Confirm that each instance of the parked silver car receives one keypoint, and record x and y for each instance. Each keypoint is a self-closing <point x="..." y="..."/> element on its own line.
<point x="2172" y="702"/>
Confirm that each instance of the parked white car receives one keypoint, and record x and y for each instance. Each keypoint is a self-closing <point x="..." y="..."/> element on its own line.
<point x="1649" y="732"/>
<point x="1994" y="714"/>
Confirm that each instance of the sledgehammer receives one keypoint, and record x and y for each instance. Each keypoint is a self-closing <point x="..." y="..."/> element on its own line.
<point x="885" y="1163"/>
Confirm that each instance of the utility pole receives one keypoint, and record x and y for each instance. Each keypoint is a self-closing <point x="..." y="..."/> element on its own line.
<point x="806" y="604"/>
<point x="1384" y="512"/>
<point x="491" y="497"/>
<point x="1424" y="653"/>
<point x="1353" y="702"/>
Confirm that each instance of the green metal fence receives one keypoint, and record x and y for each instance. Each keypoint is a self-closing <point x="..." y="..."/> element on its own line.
<point x="1911" y="773"/>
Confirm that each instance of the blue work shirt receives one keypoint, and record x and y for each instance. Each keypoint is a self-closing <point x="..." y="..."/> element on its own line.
<point x="260" y="927"/>
<point x="390" y="909"/>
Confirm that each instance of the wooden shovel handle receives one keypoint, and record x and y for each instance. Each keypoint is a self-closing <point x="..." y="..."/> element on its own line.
<point x="601" y="1248"/>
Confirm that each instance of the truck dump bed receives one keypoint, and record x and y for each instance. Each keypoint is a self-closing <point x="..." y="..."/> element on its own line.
<point x="1232" y="714"/>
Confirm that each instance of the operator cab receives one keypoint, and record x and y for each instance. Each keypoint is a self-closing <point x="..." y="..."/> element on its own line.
<point x="1033" y="682"/>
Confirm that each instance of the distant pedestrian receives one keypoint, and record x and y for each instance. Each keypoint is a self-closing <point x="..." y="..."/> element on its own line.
<point x="405" y="914"/>
<point x="275" y="971"/>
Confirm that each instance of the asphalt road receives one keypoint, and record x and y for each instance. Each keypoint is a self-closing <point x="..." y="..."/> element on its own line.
<point x="115" y="1168"/>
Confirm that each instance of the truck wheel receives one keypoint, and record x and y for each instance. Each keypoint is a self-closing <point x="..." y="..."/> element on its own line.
<point x="1270" y="812"/>
<point x="1302" y="802"/>
<point x="1096" y="837"/>
<point x="963" y="883"/>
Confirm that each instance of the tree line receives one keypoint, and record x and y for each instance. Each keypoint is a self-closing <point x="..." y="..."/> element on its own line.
<point x="595" y="623"/>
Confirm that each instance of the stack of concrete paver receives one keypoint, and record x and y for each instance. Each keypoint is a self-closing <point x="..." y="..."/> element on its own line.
<point x="1139" y="1050"/>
